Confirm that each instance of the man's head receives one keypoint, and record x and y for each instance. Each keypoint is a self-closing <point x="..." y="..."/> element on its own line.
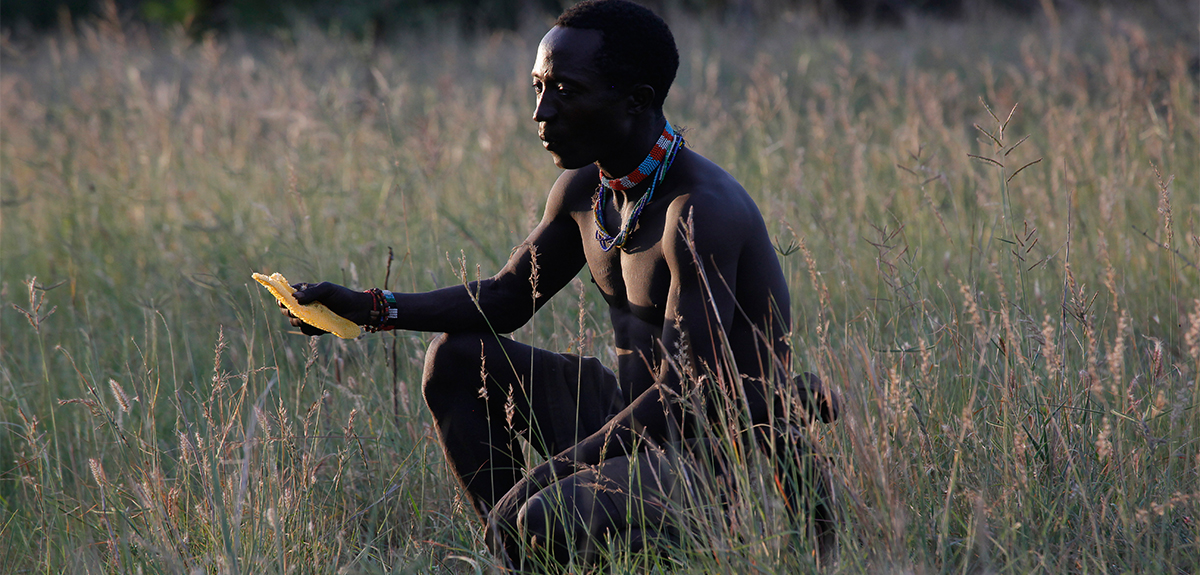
<point x="636" y="45"/>
<point x="600" y="76"/>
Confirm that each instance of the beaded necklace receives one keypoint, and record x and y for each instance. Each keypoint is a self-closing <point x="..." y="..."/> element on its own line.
<point x="663" y="153"/>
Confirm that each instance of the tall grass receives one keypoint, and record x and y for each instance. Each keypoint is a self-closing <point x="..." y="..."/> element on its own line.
<point x="990" y="231"/>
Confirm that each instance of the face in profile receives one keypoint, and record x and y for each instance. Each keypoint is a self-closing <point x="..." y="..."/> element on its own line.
<point x="579" y="114"/>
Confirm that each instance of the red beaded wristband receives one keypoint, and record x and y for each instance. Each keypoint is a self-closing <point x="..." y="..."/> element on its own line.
<point x="383" y="310"/>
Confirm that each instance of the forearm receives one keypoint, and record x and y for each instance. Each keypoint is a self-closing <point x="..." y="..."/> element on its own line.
<point x="655" y="416"/>
<point x="477" y="306"/>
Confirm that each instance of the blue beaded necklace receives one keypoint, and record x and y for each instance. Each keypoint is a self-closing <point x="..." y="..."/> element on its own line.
<point x="608" y="242"/>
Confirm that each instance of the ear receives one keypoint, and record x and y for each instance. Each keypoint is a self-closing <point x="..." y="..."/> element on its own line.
<point x="641" y="98"/>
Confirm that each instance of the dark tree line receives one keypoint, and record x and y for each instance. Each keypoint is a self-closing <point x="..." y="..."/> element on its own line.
<point x="380" y="17"/>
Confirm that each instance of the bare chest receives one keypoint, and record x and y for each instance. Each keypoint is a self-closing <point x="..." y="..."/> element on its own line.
<point x="635" y="278"/>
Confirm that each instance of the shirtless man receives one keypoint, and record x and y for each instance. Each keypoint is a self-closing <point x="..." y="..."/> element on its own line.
<point x="682" y="257"/>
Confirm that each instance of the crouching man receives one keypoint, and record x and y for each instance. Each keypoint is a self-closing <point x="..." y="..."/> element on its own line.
<point x="699" y="309"/>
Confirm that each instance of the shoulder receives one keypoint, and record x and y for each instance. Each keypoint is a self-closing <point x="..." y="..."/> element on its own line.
<point x="707" y="194"/>
<point x="573" y="190"/>
<point x="710" y="216"/>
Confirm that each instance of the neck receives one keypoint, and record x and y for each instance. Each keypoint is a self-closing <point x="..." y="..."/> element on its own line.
<point x="641" y="139"/>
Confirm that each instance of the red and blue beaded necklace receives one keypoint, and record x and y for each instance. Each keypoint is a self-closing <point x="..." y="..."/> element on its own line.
<point x="663" y="154"/>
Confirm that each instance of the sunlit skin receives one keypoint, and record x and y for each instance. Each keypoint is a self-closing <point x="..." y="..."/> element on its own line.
<point x="573" y="99"/>
<point x="653" y="287"/>
<point x="584" y="120"/>
<point x="587" y="124"/>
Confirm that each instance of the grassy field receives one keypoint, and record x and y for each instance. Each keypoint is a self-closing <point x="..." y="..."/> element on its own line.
<point x="991" y="232"/>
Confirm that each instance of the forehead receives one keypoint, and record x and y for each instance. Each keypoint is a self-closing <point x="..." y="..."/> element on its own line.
<point x="568" y="53"/>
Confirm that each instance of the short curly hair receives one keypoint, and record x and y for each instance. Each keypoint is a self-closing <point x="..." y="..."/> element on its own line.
<point x="636" y="47"/>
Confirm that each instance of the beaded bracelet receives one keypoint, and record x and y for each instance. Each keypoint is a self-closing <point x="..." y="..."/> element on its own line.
<point x="384" y="309"/>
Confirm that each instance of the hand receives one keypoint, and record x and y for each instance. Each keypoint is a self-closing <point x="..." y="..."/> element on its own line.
<point x="817" y="400"/>
<point x="350" y="304"/>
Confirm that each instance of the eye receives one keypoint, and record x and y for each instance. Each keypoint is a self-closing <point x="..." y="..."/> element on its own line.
<point x="537" y="87"/>
<point x="562" y="90"/>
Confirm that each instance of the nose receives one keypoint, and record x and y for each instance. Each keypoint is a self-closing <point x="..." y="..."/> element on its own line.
<point x="545" y="110"/>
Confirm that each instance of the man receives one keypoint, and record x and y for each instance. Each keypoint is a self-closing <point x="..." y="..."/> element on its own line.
<point x="695" y="293"/>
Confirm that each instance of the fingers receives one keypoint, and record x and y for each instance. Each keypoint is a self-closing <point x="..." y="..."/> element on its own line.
<point x="308" y="293"/>
<point x="305" y="328"/>
<point x="283" y="308"/>
<point x="310" y="330"/>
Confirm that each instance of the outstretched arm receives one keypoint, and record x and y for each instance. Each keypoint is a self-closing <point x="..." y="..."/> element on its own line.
<point x="507" y="300"/>
<point x="501" y="303"/>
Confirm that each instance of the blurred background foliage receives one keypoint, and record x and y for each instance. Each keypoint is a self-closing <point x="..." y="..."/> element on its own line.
<point x="381" y="18"/>
<point x="1015" y="402"/>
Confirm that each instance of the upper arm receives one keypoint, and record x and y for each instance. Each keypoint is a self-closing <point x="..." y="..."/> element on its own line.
<point x="701" y="302"/>
<point x="541" y="265"/>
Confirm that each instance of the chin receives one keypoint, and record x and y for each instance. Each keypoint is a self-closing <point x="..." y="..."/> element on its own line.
<point x="568" y="163"/>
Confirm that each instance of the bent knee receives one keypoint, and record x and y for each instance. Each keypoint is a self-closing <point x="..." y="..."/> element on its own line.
<point x="452" y="352"/>
<point x="566" y="523"/>
<point x="532" y="518"/>
<point x="541" y="527"/>
<point x="450" y="358"/>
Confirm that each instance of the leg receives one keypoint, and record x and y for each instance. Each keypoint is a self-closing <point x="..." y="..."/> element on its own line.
<point x="627" y="500"/>
<point x="808" y="488"/>
<point x="469" y="413"/>
<point x="484" y="389"/>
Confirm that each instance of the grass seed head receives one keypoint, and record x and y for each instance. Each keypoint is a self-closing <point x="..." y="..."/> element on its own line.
<point x="119" y="394"/>
<point x="98" y="472"/>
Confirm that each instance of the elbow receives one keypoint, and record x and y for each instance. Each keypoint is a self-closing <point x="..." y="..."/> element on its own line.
<point x="505" y="323"/>
<point x="504" y="313"/>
